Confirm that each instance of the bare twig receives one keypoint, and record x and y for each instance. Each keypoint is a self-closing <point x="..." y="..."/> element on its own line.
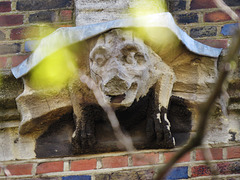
<point x="122" y="138"/>
<point x="5" y="170"/>
<point x="221" y="4"/>
<point x="205" y="108"/>
<point x="207" y="154"/>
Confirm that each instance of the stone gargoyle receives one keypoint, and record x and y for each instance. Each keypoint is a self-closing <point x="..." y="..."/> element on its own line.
<point x="139" y="79"/>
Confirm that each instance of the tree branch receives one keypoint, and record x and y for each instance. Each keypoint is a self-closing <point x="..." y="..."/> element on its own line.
<point x="206" y="107"/>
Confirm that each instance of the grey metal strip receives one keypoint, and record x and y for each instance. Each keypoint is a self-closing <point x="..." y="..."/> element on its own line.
<point x="66" y="36"/>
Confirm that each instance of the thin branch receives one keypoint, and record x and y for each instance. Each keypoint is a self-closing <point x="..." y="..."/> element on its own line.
<point x="221" y="4"/>
<point x="5" y="170"/>
<point x="205" y="108"/>
<point x="125" y="140"/>
<point x="207" y="154"/>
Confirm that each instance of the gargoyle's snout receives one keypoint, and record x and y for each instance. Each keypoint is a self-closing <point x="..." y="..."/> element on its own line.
<point x="116" y="86"/>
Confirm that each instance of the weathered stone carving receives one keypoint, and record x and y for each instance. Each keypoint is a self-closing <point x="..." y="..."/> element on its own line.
<point x="125" y="69"/>
<point x="135" y="81"/>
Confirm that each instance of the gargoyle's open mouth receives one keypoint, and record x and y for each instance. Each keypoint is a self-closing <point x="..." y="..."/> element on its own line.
<point x="117" y="98"/>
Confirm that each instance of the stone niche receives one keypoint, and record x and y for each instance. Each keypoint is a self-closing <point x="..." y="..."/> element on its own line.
<point x="154" y="89"/>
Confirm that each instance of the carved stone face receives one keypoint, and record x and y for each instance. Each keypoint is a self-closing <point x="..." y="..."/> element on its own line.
<point x="123" y="67"/>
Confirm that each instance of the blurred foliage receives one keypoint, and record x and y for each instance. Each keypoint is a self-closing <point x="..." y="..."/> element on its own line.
<point x="147" y="7"/>
<point x="54" y="71"/>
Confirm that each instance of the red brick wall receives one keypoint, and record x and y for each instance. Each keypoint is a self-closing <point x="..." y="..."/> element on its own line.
<point x="226" y="160"/>
<point x="204" y="21"/>
<point x="22" y="21"/>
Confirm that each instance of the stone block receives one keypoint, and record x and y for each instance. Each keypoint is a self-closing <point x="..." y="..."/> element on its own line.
<point x="229" y="29"/>
<point x="3" y="62"/>
<point x="201" y="170"/>
<point x="216" y="16"/>
<point x="178" y="173"/>
<point x="43" y="16"/>
<point x="187" y="18"/>
<point x="14" y="147"/>
<point x="11" y="20"/>
<point x="115" y="162"/>
<point x="6" y="144"/>
<point x="202" y="4"/>
<point x="9" y="114"/>
<point x="25" y="5"/>
<point x="9" y="90"/>
<point x="216" y="153"/>
<point x="83" y="164"/>
<point x="20" y="169"/>
<point x="206" y="31"/>
<point x="233" y="152"/>
<point x="66" y="15"/>
<point x="217" y="43"/>
<point x="145" y="159"/>
<point x="176" y="5"/>
<point x="88" y="12"/>
<point x="232" y="2"/>
<point x="40" y="109"/>
<point x="2" y="36"/>
<point x="228" y="167"/>
<point x="10" y="48"/>
<point x="84" y="18"/>
<point x="48" y="167"/>
<point x="5" y="6"/>
<point x="83" y="177"/>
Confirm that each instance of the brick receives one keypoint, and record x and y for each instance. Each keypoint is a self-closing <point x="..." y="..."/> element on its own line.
<point x="26" y="5"/>
<point x="84" y="164"/>
<point x="232" y="2"/>
<point x="233" y="152"/>
<point x="5" y="6"/>
<point x="2" y="36"/>
<point x="3" y="62"/>
<point x="229" y="29"/>
<point x="11" y="20"/>
<point x="20" y="169"/>
<point x="206" y="31"/>
<point x="202" y="4"/>
<point x="9" y="48"/>
<point x="217" y="43"/>
<point x="115" y="162"/>
<point x="187" y="18"/>
<point x="66" y="15"/>
<point x="83" y="177"/>
<point x="169" y="155"/>
<point x="217" y="16"/>
<point x="17" y="34"/>
<point x="217" y="154"/>
<point x="145" y="159"/>
<point x="120" y="175"/>
<point x="229" y="168"/>
<point x="66" y="25"/>
<point x="201" y="170"/>
<point x="16" y="60"/>
<point x="50" y="167"/>
<point x="178" y="173"/>
<point x="177" y="5"/>
<point x="30" y="32"/>
<point x="43" y="16"/>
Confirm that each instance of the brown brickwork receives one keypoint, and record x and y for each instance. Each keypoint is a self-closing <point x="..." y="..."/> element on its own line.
<point x="24" y="20"/>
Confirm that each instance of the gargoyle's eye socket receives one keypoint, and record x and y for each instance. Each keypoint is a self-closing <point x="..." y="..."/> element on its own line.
<point x="140" y="58"/>
<point x="127" y="59"/>
<point x="100" y="60"/>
